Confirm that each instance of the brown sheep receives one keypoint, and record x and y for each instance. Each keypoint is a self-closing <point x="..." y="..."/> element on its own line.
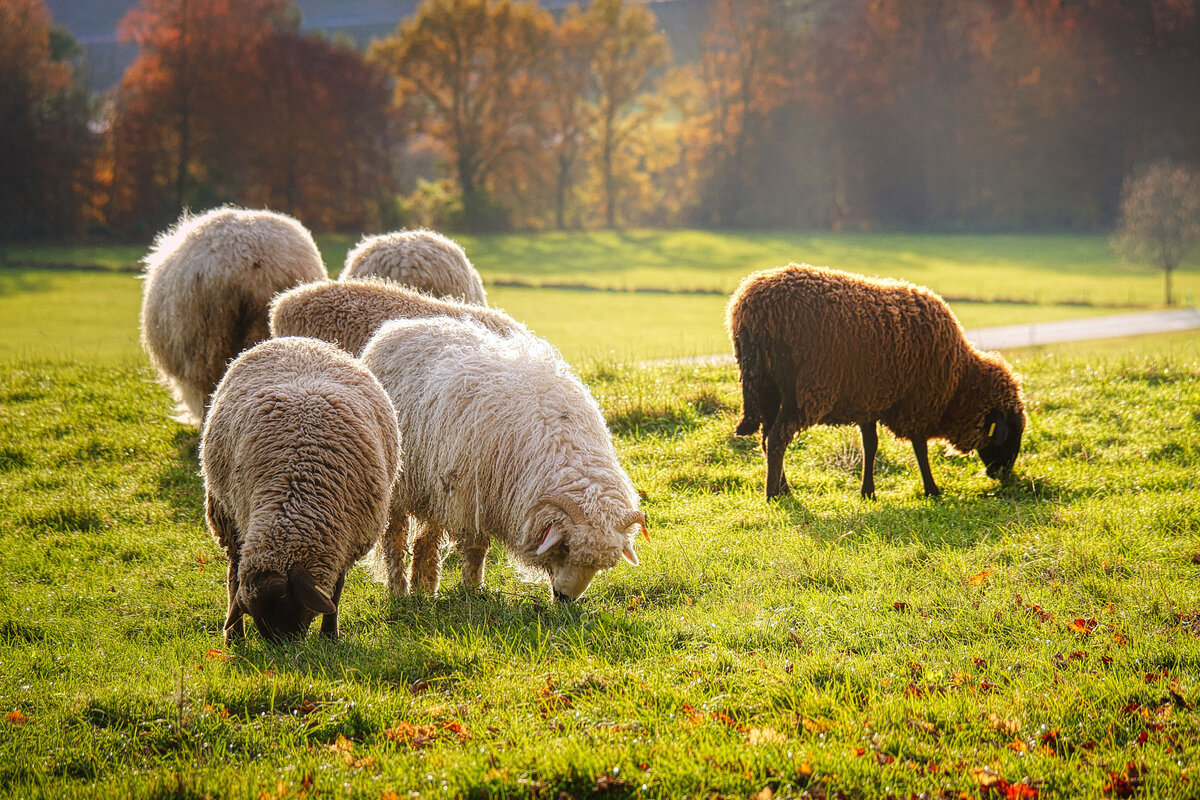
<point x="819" y="346"/>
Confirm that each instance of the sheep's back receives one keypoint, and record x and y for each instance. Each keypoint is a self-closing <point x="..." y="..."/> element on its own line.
<point x="486" y="423"/>
<point x="423" y="259"/>
<point x="301" y="449"/>
<point x="855" y="349"/>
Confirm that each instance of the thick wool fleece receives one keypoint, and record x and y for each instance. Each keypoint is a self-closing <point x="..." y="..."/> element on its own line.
<point x="208" y="282"/>
<point x="852" y="350"/>
<point x="425" y="260"/>
<point x="491" y="426"/>
<point x="348" y="312"/>
<point x="299" y="455"/>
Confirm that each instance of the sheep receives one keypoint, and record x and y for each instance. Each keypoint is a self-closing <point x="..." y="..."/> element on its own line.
<point x="208" y="280"/>
<point x="425" y="260"/>
<point x="502" y="440"/>
<point x="819" y="346"/>
<point x="299" y="455"/>
<point x="347" y="312"/>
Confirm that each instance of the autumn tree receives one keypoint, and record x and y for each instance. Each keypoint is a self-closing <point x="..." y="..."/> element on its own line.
<point x="1159" y="221"/>
<point x="43" y="125"/>
<point x="746" y="70"/>
<point x="320" y="133"/>
<point x="567" y="115"/>
<point x="626" y="67"/>
<point x="470" y="72"/>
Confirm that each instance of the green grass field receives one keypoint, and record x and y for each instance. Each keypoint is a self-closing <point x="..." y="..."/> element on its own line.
<point x="1039" y="638"/>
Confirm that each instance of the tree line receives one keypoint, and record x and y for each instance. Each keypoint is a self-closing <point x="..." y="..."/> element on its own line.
<point x="495" y="114"/>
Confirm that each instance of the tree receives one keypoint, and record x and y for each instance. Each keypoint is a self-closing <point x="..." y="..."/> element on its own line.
<point x="470" y="72"/>
<point x="1159" y="219"/>
<point x="625" y="63"/>
<point x="568" y="115"/>
<point x="43" y="125"/>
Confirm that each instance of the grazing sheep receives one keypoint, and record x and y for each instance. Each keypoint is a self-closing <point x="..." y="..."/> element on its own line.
<point x="818" y="346"/>
<point x="348" y="312"/>
<point x="424" y="260"/>
<point x="209" y="279"/>
<point x="299" y="454"/>
<point x="501" y="440"/>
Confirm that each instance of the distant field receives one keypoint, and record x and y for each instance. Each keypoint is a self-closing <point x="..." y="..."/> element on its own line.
<point x="1048" y="269"/>
<point x="49" y="308"/>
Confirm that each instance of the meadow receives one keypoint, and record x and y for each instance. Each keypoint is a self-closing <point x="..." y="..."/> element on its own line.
<point x="1036" y="638"/>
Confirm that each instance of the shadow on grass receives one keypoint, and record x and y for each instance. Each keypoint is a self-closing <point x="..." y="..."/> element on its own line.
<point x="22" y="281"/>
<point x="955" y="521"/>
<point x="179" y="484"/>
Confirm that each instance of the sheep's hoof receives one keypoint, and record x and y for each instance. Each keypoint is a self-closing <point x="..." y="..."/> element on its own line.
<point x="868" y="495"/>
<point x="933" y="493"/>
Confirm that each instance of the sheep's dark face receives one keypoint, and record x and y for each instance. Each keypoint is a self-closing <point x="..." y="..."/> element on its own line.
<point x="282" y="607"/>
<point x="1002" y="432"/>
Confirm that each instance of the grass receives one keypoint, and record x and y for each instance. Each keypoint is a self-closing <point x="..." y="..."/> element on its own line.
<point x="1036" y="638"/>
<point x="1041" y="633"/>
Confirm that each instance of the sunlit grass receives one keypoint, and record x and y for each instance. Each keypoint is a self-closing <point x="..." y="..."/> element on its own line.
<point x="1044" y="629"/>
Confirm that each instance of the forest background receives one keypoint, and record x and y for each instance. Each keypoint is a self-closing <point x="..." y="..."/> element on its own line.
<point x="964" y="115"/>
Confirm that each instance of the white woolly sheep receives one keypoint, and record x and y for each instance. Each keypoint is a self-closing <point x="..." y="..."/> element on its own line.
<point x="501" y="440"/>
<point x="299" y="455"/>
<point x="209" y="279"/>
<point x="348" y="312"/>
<point x="425" y="260"/>
<point x="819" y="346"/>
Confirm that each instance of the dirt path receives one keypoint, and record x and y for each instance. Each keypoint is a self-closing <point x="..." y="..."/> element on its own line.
<point x="1010" y="337"/>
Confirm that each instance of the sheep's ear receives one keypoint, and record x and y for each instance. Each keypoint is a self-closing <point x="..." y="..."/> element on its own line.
<point x="630" y="555"/>
<point x="307" y="593"/>
<point x="996" y="428"/>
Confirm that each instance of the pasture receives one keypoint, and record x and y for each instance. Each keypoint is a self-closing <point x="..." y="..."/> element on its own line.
<point x="1039" y="638"/>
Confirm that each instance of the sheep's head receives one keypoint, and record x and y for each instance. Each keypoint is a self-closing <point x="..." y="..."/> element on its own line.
<point x="572" y="548"/>
<point x="282" y="606"/>
<point x="1002" y="430"/>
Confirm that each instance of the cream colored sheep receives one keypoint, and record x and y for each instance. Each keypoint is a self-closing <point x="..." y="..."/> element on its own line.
<point x="425" y="260"/>
<point x="299" y="455"/>
<point x="348" y="312"/>
<point x="208" y="282"/>
<point x="502" y="441"/>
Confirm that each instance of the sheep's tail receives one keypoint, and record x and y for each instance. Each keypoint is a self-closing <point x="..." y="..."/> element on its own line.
<point x="752" y="364"/>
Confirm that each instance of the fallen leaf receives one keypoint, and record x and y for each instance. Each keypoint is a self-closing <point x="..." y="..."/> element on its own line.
<point x="415" y="736"/>
<point x="1124" y="784"/>
<point x="900" y="605"/>
<point x="216" y="655"/>
<point x="17" y="717"/>
<point x="1017" y="746"/>
<point x="984" y="776"/>
<point x="1082" y="625"/>
<point x="1008" y="726"/>
<point x="765" y="793"/>
<point x="980" y="577"/>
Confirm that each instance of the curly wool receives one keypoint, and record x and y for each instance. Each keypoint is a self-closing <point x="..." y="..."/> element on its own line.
<point x="425" y="260"/>
<point x="491" y="426"/>
<point x="208" y="281"/>
<point x="348" y="312"/>
<point x="300" y="453"/>
<point x="859" y="349"/>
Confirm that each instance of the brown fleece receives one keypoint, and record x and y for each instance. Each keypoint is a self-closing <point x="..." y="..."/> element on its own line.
<point x="299" y="455"/>
<point x="349" y="311"/>
<point x="830" y="347"/>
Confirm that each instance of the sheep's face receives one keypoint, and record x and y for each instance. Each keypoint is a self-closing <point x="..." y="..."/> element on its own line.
<point x="282" y="607"/>
<point x="572" y="549"/>
<point x="1002" y="432"/>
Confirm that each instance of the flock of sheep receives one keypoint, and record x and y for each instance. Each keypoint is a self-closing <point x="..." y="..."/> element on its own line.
<point x="391" y="408"/>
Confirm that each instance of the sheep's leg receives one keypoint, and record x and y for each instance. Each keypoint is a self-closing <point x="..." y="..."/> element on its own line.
<point x="870" y="445"/>
<point x="329" y="622"/>
<point x="226" y="532"/>
<point x="474" y="560"/>
<point x="427" y="560"/>
<point x="396" y="553"/>
<point x="921" y="449"/>
<point x="777" y="443"/>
